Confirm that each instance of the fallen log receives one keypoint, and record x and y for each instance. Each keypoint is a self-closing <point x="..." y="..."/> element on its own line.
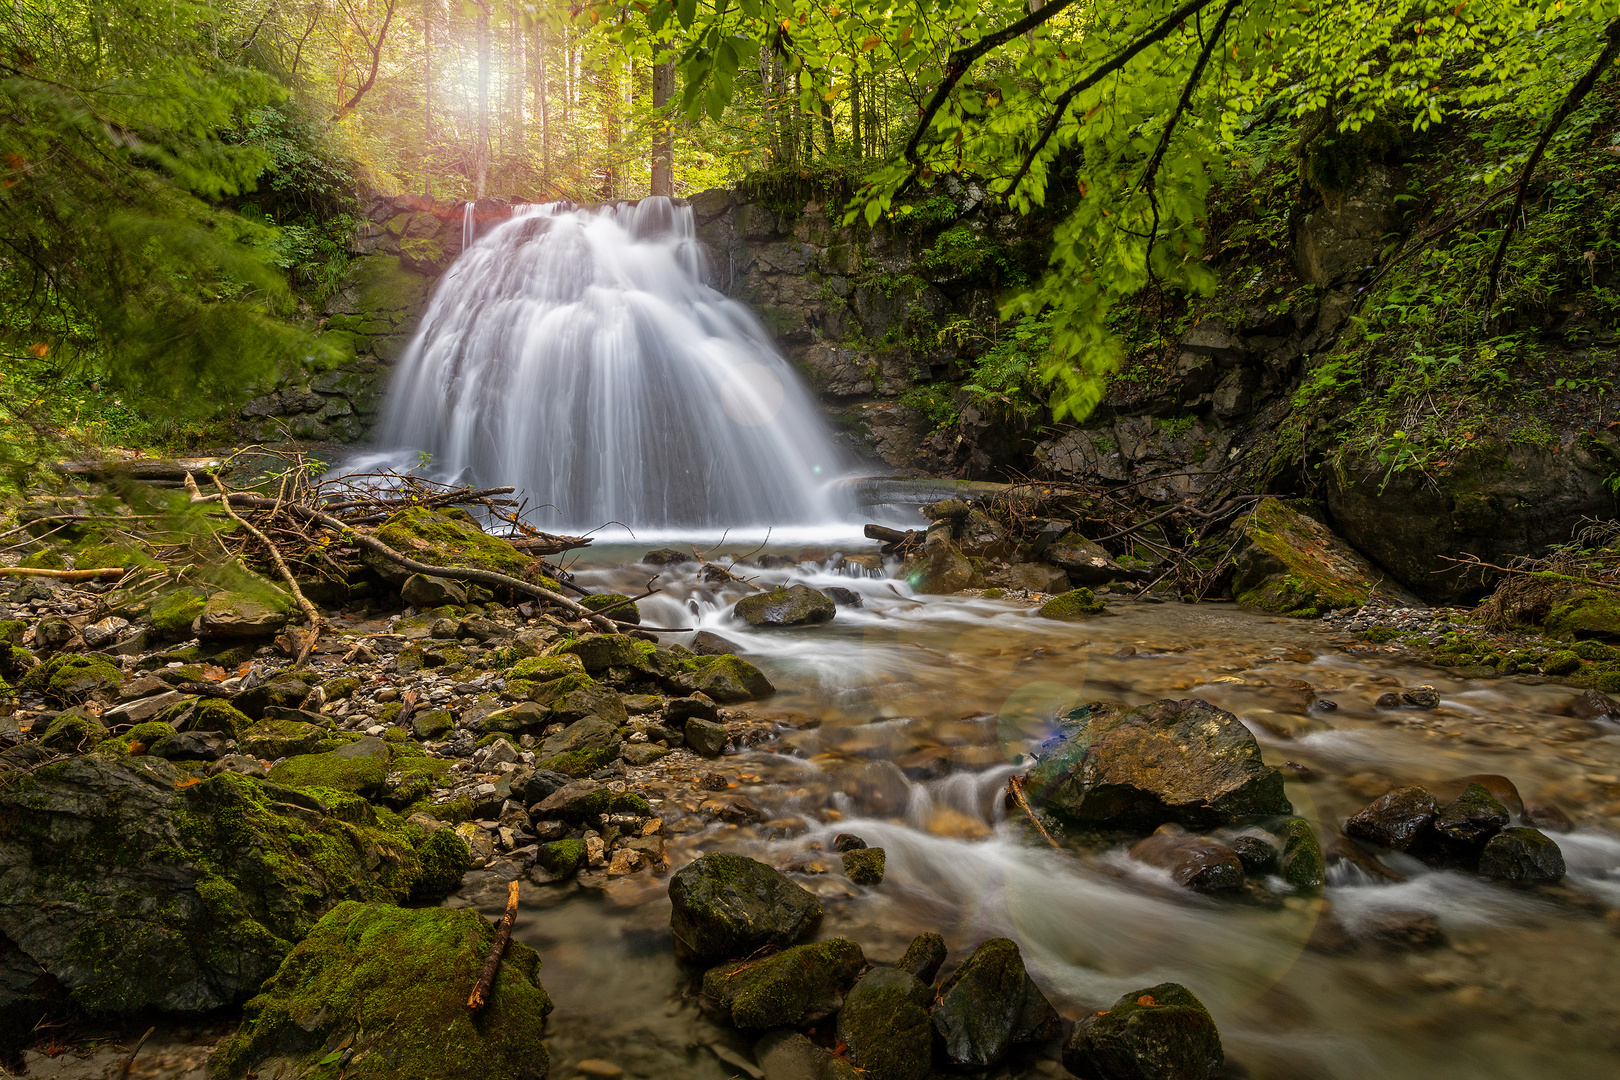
<point x="503" y="934"/>
<point x="888" y="535"/>
<point x="105" y="573"/>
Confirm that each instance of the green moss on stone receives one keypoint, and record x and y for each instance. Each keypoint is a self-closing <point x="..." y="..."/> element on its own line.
<point x="1072" y="606"/>
<point x="450" y="537"/>
<point x="786" y="990"/>
<point x="445" y="858"/>
<point x="397" y="981"/>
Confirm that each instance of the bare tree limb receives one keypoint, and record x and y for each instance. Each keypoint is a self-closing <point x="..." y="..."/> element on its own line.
<point x="1571" y="102"/>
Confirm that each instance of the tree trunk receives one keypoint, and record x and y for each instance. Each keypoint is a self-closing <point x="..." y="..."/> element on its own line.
<point x="427" y="97"/>
<point x="481" y="154"/>
<point x="663" y="158"/>
<point x="516" y="85"/>
<point x="855" y="115"/>
<point x="542" y="98"/>
<point x="827" y="127"/>
<point x="767" y="91"/>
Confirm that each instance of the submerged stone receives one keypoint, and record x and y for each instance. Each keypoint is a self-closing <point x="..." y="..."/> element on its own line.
<point x="799" y="605"/>
<point x="1523" y="856"/>
<point x="1194" y="862"/>
<point x="1394" y="820"/>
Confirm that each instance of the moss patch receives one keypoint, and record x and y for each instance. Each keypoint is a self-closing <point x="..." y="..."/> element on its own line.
<point x="1289" y="564"/>
<point x="1073" y="605"/>
<point x="397" y="981"/>
<point x="450" y="537"/>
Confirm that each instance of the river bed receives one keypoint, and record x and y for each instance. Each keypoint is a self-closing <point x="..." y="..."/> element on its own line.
<point x="901" y="722"/>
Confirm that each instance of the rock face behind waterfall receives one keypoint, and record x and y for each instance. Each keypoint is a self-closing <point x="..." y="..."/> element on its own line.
<point x="1171" y="761"/>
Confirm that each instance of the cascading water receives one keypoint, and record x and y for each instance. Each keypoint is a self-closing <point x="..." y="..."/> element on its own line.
<point x="581" y="356"/>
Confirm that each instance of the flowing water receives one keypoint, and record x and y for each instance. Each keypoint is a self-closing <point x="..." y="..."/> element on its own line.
<point x="581" y="356"/>
<point x="902" y="720"/>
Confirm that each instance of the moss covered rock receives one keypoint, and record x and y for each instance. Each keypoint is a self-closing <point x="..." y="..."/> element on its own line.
<point x="799" y="605"/>
<point x="730" y="679"/>
<point x="72" y="732"/>
<point x="727" y="906"/>
<point x="1290" y="564"/>
<point x="886" y="1026"/>
<point x="432" y="724"/>
<point x="794" y="987"/>
<point x="361" y="767"/>
<point x="524" y="676"/>
<point x="561" y="858"/>
<point x="70" y="679"/>
<point x="272" y="739"/>
<point x="445" y="859"/>
<point x="864" y="866"/>
<point x="1302" y="864"/>
<point x="1522" y="856"/>
<point x="1591" y="613"/>
<point x="391" y="984"/>
<point x="624" y="609"/>
<point x="1161" y="1032"/>
<point x="1072" y="606"/>
<point x="576" y="697"/>
<point x="138" y="892"/>
<point x="232" y="615"/>
<point x="173" y="613"/>
<point x="447" y="536"/>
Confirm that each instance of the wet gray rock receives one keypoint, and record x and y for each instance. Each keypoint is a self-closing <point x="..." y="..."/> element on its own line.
<point x="1522" y="856"/>
<point x="885" y="1024"/>
<point x="727" y="906"/>
<point x="1257" y="854"/>
<point x="431" y="592"/>
<point x="1182" y="761"/>
<point x="706" y="737"/>
<point x="1394" y="820"/>
<point x="1463" y="825"/>
<point x="1085" y="563"/>
<point x="797" y="606"/>
<point x="193" y="746"/>
<point x="841" y="596"/>
<point x="1194" y="862"/>
<point x="677" y="711"/>
<point x="1158" y="1033"/>
<point x="232" y="615"/>
<point x="989" y="1005"/>
<point x="705" y="643"/>
<point x="668" y="557"/>
<point x="787" y="1055"/>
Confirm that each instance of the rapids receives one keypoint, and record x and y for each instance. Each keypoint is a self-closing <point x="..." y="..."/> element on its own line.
<point x="902" y="720"/>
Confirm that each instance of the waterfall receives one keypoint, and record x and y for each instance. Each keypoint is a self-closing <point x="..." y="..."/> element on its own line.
<point x="583" y="357"/>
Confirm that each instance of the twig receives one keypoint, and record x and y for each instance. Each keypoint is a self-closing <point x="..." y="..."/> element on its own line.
<point x="503" y="934"/>
<point x="129" y="1062"/>
<point x="1015" y="785"/>
<point x="105" y="573"/>
<point x="309" y="609"/>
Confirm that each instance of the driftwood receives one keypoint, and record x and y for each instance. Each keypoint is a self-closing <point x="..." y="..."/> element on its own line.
<point x="895" y="541"/>
<point x="547" y="544"/>
<point x="503" y="934"/>
<point x="105" y="573"/>
<point x="1015" y="787"/>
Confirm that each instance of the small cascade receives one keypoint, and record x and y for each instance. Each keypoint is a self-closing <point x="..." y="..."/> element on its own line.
<point x="582" y="357"/>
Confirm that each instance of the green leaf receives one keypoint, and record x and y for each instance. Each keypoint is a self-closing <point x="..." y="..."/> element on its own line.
<point x="685" y="11"/>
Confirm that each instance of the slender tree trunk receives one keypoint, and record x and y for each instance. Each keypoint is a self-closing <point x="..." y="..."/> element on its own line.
<point x="663" y="158"/>
<point x="773" y="138"/>
<point x="542" y="98"/>
<point x="855" y="115"/>
<point x="610" y="129"/>
<point x="427" y="97"/>
<point x="481" y="154"/>
<point x="517" y="79"/>
<point x="827" y="128"/>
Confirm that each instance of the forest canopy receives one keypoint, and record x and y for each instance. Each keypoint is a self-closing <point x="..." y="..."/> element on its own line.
<point x="179" y="178"/>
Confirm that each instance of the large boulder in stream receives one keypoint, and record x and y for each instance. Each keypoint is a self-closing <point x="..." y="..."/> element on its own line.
<point x="1159" y="1033"/>
<point x="136" y="891"/>
<point x="381" y="992"/>
<point x="725" y="907"/>
<point x="1169" y="761"/>
<point x="885" y="1024"/>
<point x="789" y="989"/>
<point x="988" y="1006"/>
<point x="797" y="606"/>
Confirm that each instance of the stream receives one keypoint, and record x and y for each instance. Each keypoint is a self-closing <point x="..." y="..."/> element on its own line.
<point x="902" y="720"/>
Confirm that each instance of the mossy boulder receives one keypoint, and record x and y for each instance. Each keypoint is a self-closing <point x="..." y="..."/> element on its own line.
<point x="727" y="906"/>
<point x="560" y="858"/>
<point x="72" y="732"/>
<point x="339" y="688"/>
<point x="212" y="714"/>
<point x="585" y="800"/>
<point x="576" y="697"/>
<point x="885" y="1024"/>
<point x="448" y="537"/>
<point x="137" y="891"/>
<point x="799" y="605"/>
<point x="789" y="989"/>
<point x="445" y="859"/>
<point x="1169" y="761"/>
<point x="391" y="984"/>
<point x="591" y="735"/>
<point x="70" y="679"/>
<point x="361" y="767"/>
<point x="1290" y="564"/>
<point x="232" y="615"/>
<point x="523" y="677"/>
<point x="272" y="739"/>
<point x="624" y="608"/>
<point x="730" y="679"/>
<point x="432" y="724"/>
<point x="1160" y="1032"/>
<point x="864" y="866"/>
<point x="173" y="613"/>
<point x="1588" y="613"/>
<point x="1072" y="606"/>
<point x="599" y="652"/>
<point x="1522" y="856"/>
<point x="137" y="740"/>
<point x="1302" y="864"/>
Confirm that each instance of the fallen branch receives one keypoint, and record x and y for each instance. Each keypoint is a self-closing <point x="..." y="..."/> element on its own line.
<point x="105" y="573"/>
<point x="503" y="934"/>
<point x="1015" y="786"/>
<point x="129" y="1062"/>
